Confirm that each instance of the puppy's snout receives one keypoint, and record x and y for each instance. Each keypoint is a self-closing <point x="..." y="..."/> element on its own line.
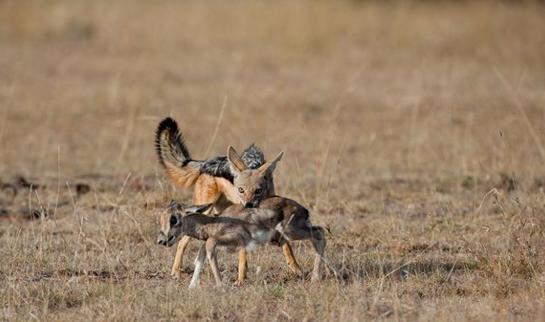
<point x="162" y="239"/>
<point x="250" y="204"/>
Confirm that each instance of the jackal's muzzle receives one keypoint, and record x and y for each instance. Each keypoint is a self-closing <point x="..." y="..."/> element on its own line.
<point x="163" y="239"/>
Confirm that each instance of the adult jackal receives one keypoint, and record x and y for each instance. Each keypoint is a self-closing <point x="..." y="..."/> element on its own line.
<point x="244" y="180"/>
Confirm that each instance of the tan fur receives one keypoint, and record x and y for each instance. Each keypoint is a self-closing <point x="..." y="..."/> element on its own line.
<point x="206" y="190"/>
<point x="228" y="190"/>
<point x="182" y="177"/>
<point x="242" y="266"/>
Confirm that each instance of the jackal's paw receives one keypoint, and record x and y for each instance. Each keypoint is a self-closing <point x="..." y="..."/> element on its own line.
<point x="295" y="270"/>
<point x="238" y="283"/>
<point x="176" y="275"/>
<point x="299" y="274"/>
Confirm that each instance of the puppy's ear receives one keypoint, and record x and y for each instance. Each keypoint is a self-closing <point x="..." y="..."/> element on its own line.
<point x="199" y="209"/>
<point x="175" y="205"/>
<point x="235" y="162"/>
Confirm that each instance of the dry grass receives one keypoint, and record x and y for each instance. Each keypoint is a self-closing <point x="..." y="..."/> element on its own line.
<point x="396" y="120"/>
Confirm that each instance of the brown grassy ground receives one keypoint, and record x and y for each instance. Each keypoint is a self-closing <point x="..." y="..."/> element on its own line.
<point x="396" y="120"/>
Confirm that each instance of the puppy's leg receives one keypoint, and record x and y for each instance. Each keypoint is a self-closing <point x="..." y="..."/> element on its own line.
<point x="199" y="262"/>
<point x="182" y="245"/>
<point x="211" y="254"/>
<point x="319" y="243"/>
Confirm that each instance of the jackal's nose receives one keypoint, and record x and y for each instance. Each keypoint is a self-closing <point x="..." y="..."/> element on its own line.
<point x="162" y="239"/>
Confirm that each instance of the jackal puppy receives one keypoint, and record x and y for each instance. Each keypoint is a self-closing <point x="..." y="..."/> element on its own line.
<point x="277" y="220"/>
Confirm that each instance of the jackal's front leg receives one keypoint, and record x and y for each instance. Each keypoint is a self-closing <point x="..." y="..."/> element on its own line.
<point x="292" y="263"/>
<point x="182" y="245"/>
<point x="242" y="266"/>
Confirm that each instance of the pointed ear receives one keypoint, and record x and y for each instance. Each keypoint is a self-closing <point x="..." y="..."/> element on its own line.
<point x="270" y="165"/>
<point x="235" y="162"/>
<point x="199" y="209"/>
<point x="174" y="205"/>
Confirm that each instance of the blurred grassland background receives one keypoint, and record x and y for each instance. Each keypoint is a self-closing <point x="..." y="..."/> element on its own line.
<point x="396" y="118"/>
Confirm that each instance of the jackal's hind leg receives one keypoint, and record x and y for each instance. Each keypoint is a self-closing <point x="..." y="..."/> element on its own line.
<point x="180" y="250"/>
<point x="290" y="258"/>
<point x="242" y="266"/>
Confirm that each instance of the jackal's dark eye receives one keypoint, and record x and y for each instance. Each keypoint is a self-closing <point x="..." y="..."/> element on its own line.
<point x="241" y="190"/>
<point x="173" y="221"/>
<point x="258" y="191"/>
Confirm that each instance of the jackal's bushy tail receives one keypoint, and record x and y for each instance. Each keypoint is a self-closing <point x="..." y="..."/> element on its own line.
<point x="173" y="154"/>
